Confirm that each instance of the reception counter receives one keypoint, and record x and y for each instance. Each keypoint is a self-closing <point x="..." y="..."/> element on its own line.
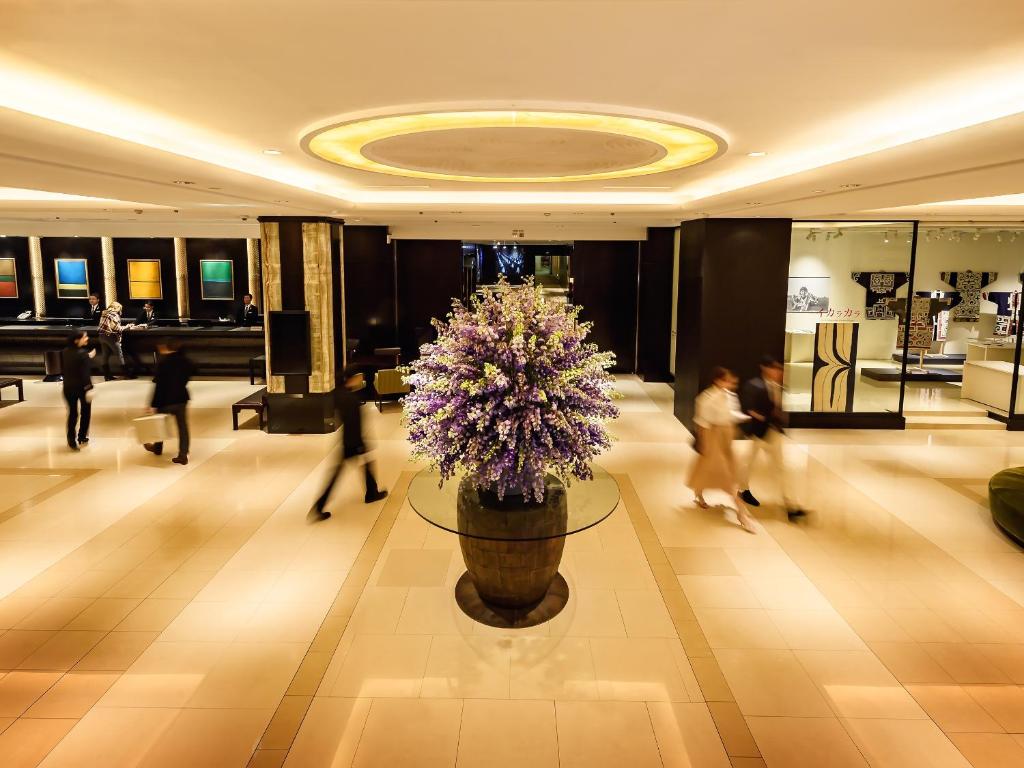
<point x="217" y="350"/>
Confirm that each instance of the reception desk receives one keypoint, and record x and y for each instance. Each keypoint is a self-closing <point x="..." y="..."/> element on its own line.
<point x="217" y="350"/>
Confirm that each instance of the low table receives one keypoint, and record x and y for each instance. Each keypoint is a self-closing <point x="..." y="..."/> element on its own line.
<point x="588" y="503"/>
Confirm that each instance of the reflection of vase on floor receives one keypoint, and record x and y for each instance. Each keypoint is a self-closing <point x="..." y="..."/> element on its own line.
<point x="512" y="547"/>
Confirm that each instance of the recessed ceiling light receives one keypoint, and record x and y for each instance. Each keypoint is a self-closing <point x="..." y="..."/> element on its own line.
<point x="753" y="203"/>
<point x="848" y="186"/>
<point x="817" y="191"/>
<point x="679" y="145"/>
<point x="184" y="183"/>
<point x="271" y="151"/>
<point x="756" y="154"/>
<point x="280" y="201"/>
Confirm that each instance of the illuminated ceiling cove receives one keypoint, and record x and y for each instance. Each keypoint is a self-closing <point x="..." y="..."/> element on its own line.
<point x="513" y="146"/>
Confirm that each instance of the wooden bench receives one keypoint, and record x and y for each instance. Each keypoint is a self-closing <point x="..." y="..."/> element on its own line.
<point x="255" y="402"/>
<point x="253" y="362"/>
<point x="12" y="382"/>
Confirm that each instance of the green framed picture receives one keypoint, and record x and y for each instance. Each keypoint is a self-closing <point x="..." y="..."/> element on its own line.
<point x="217" y="279"/>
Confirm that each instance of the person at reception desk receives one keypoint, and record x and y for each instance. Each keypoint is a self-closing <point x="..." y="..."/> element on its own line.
<point x="148" y="314"/>
<point x="248" y="314"/>
<point x="95" y="309"/>
<point x="110" y="332"/>
<point x="74" y="360"/>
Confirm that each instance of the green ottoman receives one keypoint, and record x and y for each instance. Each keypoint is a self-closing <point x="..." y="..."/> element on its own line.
<point x="1006" y="500"/>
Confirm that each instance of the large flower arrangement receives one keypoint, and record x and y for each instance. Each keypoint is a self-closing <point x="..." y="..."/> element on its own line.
<point x="509" y="391"/>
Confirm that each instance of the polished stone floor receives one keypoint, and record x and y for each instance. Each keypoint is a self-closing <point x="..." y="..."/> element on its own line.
<point x="157" y="615"/>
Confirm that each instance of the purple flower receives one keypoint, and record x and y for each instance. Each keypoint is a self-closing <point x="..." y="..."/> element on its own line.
<point x="510" y="391"/>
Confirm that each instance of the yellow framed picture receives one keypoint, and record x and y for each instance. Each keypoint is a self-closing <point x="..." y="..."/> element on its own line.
<point x="144" y="279"/>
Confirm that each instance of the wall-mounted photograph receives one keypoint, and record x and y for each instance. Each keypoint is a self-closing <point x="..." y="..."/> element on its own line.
<point x="72" y="278"/>
<point x="144" y="279"/>
<point x="808" y="294"/>
<point x="8" y="279"/>
<point x="217" y="279"/>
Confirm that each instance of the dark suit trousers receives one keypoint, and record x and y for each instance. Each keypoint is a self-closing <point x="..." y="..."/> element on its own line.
<point x="370" y="480"/>
<point x="179" y="412"/>
<point x="76" y="401"/>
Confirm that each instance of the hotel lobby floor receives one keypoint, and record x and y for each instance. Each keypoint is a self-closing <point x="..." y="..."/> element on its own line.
<point x="155" y="615"/>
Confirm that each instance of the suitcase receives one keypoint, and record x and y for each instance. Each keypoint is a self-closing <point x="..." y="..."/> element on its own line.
<point x="153" y="429"/>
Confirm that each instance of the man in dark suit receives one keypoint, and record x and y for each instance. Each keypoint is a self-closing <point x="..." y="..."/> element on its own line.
<point x="74" y="360"/>
<point x="94" y="310"/>
<point x="170" y="395"/>
<point x="147" y="316"/>
<point x="248" y="313"/>
<point x="761" y="400"/>
<point x="349" y="408"/>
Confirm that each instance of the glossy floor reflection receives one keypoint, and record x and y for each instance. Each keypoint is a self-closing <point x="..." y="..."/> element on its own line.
<point x="157" y="615"/>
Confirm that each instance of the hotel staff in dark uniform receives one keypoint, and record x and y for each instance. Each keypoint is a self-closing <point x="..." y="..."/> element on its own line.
<point x="147" y="316"/>
<point x="94" y="310"/>
<point x="75" y="364"/>
<point x="248" y="313"/>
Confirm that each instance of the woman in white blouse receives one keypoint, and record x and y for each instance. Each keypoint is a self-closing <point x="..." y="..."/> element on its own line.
<point x="717" y="412"/>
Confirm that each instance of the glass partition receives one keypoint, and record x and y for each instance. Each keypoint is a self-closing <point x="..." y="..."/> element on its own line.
<point x="848" y="290"/>
<point x="974" y="272"/>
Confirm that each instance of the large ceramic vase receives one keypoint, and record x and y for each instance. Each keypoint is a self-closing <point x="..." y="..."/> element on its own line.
<point x="512" y="547"/>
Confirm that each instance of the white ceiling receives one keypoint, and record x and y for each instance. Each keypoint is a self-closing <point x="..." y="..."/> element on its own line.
<point x="916" y="102"/>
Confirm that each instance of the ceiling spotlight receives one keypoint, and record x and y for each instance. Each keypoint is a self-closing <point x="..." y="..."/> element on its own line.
<point x="999" y="237"/>
<point x="1013" y="238"/>
<point x="848" y="186"/>
<point x="817" y="191"/>
<point x="271" y="151"/>
<point x="977" y="235"/>
<point x="756" y="154"/>
<point x="885" y="237"/>
<point x="184" y="183"/>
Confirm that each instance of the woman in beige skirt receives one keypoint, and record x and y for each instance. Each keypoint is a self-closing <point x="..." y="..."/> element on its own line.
<point x="717" y="412"/>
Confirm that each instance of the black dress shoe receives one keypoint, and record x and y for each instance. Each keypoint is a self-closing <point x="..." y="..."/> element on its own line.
<point x="108" y="378"/>
<point x="370" y="498"/>
<point x="183" y="460"/>
<point x="795" y="513"/>
<point x="153" y="448"/>
<point x="83" y="441"/>
<point x="73" y="447"/>
<point x="749" y="498"/>
<point x="319" y="509"/>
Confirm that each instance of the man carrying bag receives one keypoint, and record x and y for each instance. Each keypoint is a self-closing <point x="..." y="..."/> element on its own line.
<point x="174" y="370"/>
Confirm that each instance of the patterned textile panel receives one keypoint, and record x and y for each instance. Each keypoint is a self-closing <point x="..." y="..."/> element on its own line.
<point x="835" y="367"/>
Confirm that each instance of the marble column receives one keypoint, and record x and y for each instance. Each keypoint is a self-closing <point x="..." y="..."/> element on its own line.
<point x="252" y="252"/>
<point x="35" y="261"/>
<point x="109" y="279"/>
<point x="181" y="276"/>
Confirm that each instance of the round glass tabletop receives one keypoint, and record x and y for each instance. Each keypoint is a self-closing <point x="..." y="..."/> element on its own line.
<point x="588" y="502"/>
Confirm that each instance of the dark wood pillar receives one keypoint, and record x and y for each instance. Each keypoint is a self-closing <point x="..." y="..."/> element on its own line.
<point x="732" y="300"/>
<point x="654" y="315"/>
<point x="604" y="276"/>
<point x="303" y="271"/>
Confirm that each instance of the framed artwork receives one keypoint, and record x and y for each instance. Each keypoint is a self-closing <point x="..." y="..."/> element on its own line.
<point x="72" y="278"/>
<point x="217" y="279"/>
<point x="8" y="279"/>
<point x="808" y="294"/>
<point x="144" y="279"/>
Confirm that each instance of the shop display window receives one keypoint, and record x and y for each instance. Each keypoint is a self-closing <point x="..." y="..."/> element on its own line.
<point x="848" y="289"/>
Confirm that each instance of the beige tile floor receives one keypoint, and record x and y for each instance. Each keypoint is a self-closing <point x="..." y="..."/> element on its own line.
<point x="153" y="615"/>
